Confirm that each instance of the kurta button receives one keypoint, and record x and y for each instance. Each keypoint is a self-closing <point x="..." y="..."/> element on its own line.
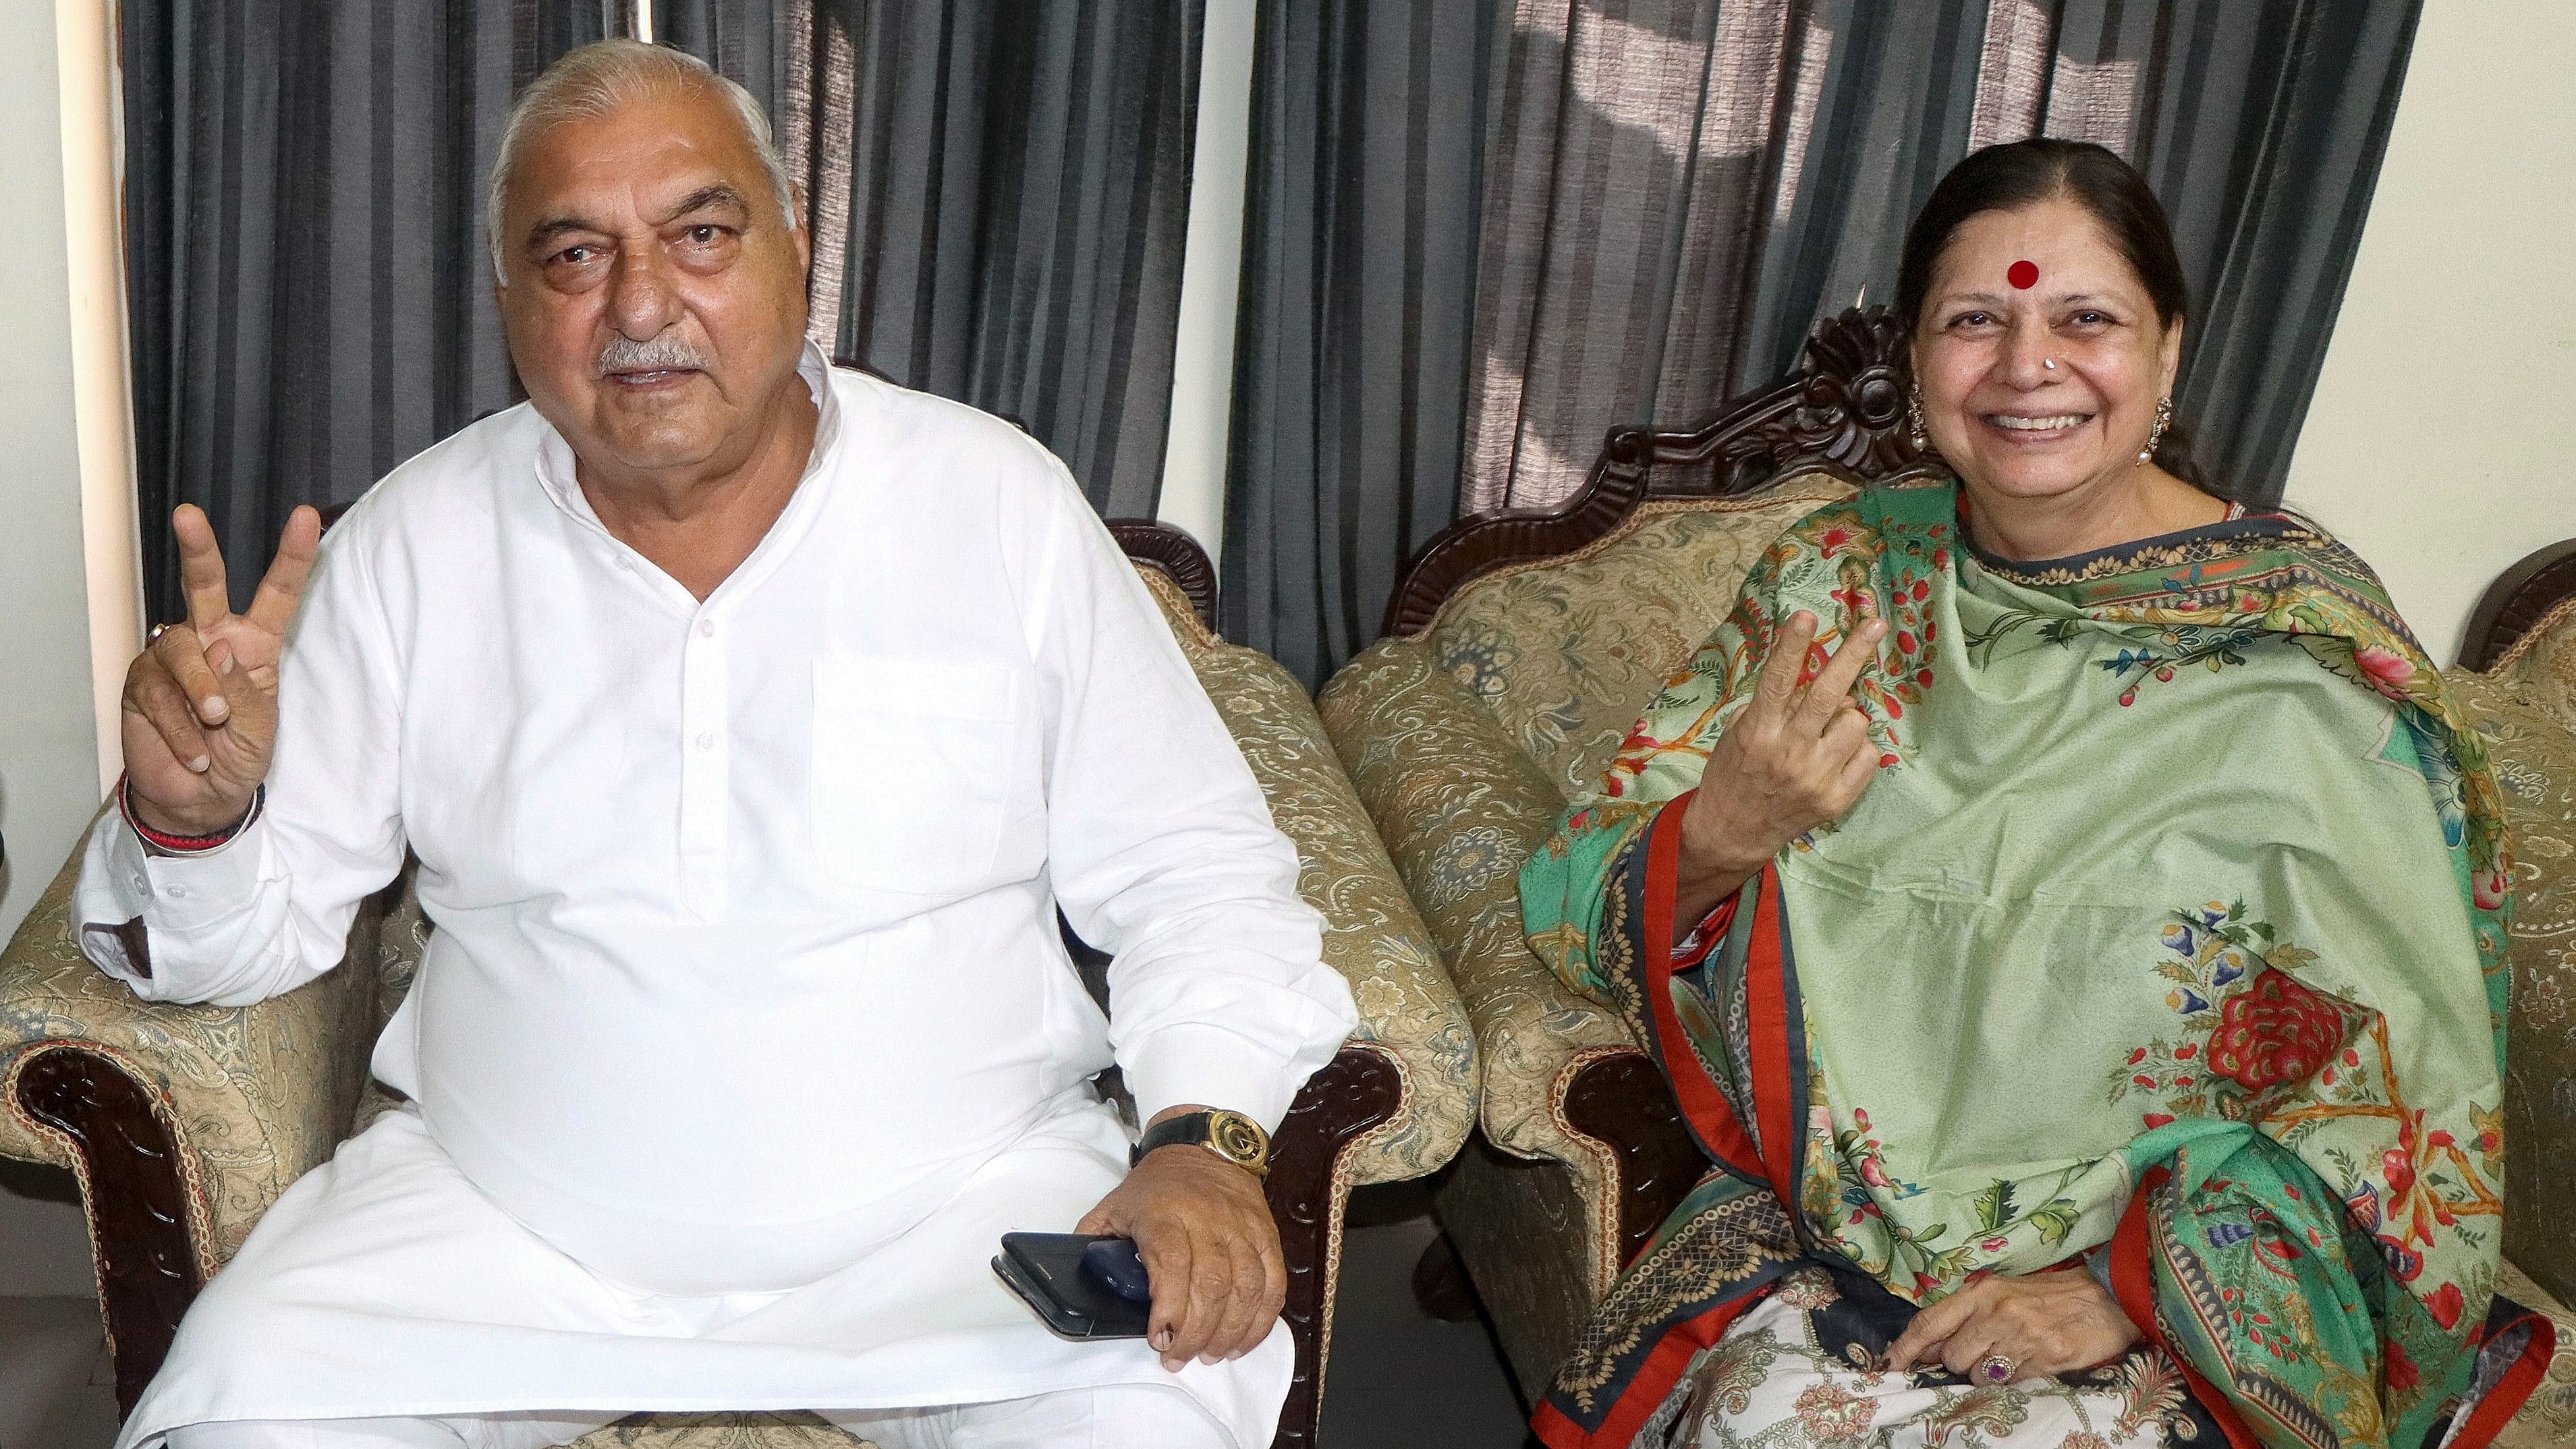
<point x="179" y="890"/>
<point x="706" y="742"/>
<point x="706" y="628"/>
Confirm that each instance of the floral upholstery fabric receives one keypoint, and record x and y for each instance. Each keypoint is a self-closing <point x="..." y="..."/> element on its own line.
<point x="2523" y="709"/>
<point x="1372" y="933"/>
<point x="258" y="1095"/>
<point x="2542" y="663"/>
<point x="1565" y="652"/>
<point x="718" y="1431"/>
<point x="1464" y="741"/>
<point x="1461" y="809"/>
<point x="2549" y="1417"/>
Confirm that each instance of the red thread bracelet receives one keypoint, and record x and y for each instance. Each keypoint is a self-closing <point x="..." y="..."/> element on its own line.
<point x="162" y="840"/>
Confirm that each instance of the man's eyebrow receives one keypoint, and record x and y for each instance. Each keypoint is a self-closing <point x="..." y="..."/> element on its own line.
<point x="555" y="226"/>
<point x="720" y="194"/>
<point x="704" y="197"/>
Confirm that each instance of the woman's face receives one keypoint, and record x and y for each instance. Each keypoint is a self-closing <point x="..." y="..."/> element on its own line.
<point x="2013" y="426"/>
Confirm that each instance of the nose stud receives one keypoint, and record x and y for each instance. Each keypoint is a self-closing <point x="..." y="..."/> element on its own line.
<point x="2049" y="362"/>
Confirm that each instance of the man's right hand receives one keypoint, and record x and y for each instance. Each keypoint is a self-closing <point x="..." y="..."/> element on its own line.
<point x="1797" y="757"/>
<point x="201" y="700"/>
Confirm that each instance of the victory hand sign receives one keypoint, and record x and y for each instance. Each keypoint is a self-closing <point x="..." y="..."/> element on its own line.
<point x="201" y="699"/>
<point x="1798" y="756"/>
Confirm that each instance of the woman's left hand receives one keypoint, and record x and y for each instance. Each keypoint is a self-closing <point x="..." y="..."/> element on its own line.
<point x="2047" y="1324"/>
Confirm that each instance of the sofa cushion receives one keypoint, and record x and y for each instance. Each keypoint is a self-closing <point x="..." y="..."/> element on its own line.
<point x="1566" y="651"/>
<point x="718" y="1431"/>
<point x="2535" y="764"/>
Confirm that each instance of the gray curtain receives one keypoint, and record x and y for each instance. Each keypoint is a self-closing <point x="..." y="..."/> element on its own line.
<point x="999" y="195"/>
<point x="1001" y="189"/>
<point x="309" y="300"/>
<point x="1359" y="269"/>
<point x="1684" y="186"/>
<point x="1666" y="194"/>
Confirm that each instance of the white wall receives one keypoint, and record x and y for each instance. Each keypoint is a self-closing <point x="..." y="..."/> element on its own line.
<point x="2442" y="439"/>
<point x="49" y="765"/>
<point x="48" y="738"/>
<point x="1194" y="451"/>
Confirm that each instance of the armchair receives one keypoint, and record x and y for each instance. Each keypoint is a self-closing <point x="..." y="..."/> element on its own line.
<point x="1520" y="648"/>
<point x="183" y="1124"/>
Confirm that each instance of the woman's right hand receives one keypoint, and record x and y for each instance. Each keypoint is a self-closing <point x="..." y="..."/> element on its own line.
<point x="200" y="716"/>
<point x="1795" y="758"/>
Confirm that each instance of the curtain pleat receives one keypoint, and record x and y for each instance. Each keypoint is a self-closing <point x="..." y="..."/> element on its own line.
<point x="309" y="299"/>
<point x="1679" y="188"/>
<point x="1368" y="122"/>
<point x="1002" y="191"/>
<point x="999" y="194"/>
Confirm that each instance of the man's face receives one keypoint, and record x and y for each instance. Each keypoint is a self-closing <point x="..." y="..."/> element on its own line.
<point x="655" y="303"/>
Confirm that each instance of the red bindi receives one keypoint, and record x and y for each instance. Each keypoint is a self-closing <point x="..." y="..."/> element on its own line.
<point x="2024" y="275"/>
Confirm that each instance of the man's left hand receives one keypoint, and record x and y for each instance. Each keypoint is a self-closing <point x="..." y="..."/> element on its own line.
<point x="1205" y="1233"/>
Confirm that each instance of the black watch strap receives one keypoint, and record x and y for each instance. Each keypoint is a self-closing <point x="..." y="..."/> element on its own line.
<point x="1230" y="1135"/>
<point x="1189" y="1127"/>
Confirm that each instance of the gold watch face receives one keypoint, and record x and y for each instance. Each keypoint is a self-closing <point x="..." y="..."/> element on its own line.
<point x="1239" y="1138"/>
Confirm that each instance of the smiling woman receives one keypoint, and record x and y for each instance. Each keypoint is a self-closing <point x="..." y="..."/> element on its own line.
<point x="2010" y="890"/>
<point x="2046" y="304"/>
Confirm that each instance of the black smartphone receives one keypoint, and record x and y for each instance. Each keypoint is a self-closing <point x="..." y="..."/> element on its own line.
<point x="1104" y="1298"/>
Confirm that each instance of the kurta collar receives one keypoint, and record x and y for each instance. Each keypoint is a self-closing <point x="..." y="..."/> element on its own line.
<point x="556" y="474"/>
<point x="556" y="467"/>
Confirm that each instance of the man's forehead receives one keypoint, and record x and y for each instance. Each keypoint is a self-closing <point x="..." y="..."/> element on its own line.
<point x="648" y="159"/>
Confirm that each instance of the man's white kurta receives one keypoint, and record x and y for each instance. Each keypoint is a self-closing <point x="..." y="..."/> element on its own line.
<point x="746" y="996"/>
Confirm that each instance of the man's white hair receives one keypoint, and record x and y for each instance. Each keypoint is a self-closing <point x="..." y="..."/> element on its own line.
<point x="595" y="79"/>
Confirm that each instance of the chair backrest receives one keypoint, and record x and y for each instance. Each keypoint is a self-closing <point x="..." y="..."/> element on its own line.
<point x="1564" y="623"/>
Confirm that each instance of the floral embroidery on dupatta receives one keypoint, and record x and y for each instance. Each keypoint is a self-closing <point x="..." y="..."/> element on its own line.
<point x="2316" y="1244"/>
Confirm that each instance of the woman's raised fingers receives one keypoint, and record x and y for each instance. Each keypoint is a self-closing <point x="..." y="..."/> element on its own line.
<point x="201" y="566"/>
<point x="1857" y="754"/>
<point x="1832" y="687"/>
<point x="1778" y="683"/>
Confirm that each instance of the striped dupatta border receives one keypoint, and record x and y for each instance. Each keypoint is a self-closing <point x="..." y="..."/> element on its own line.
<point x="1646" y="1377"/>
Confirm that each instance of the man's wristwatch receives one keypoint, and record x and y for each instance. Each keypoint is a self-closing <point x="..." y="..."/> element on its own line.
<point x="1230" y="1135"/>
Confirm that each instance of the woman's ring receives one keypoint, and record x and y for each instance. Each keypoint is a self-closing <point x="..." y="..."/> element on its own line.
<point x="157" y="631"/>
<point x="1994" y="1368"/>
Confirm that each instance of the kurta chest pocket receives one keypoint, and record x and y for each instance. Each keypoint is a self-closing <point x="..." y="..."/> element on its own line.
<point x="911" y="785"/>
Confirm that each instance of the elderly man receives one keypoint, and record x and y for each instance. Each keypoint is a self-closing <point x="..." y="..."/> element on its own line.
<point x="751" y="720"/>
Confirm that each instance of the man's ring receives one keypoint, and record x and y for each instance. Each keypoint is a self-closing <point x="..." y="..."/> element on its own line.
<point x="1994" y="1368"/>
<point x="157" y="631"/>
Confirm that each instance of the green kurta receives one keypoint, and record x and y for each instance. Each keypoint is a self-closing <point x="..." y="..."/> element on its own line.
<point x="2177" y="898"/>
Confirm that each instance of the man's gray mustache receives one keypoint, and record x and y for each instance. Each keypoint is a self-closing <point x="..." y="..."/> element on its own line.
<point x="625" y="354"/>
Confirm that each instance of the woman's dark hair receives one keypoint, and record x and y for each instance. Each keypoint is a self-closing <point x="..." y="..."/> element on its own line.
<point x="2024" y="173"/>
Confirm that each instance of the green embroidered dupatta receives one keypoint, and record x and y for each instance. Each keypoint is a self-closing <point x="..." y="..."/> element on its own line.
<point x="2173" y="926"/>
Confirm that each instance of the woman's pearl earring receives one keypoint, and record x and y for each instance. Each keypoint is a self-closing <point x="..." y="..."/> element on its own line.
<point x="1915" y="432"/>
<point x="2156" y="434"/>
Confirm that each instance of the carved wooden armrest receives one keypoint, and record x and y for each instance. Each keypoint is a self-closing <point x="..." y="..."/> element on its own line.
<point x="1398" y="1101"/>
<point x="183" y="1123"/>
<point x="1616" y="1102"/>
<point x="1373" y="934"/>
<point x="1357" y="1093"/>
